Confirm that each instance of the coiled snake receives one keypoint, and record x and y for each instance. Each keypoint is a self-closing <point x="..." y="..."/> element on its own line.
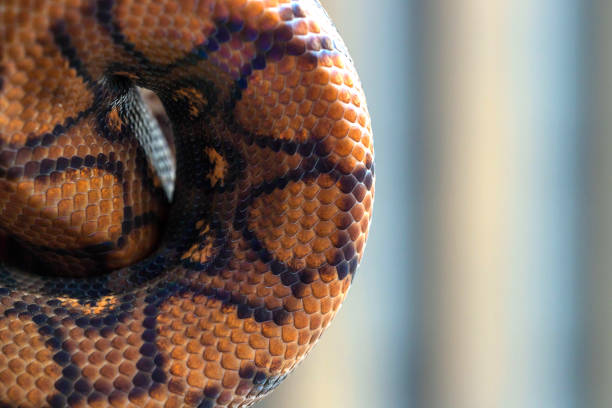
<point x="125" y="299"/>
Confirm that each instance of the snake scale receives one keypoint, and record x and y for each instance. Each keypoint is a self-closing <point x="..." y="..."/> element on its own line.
<point x="197" y="268"/>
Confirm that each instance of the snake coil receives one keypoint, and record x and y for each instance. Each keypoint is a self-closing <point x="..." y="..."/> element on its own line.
<point x="192" y="269"/>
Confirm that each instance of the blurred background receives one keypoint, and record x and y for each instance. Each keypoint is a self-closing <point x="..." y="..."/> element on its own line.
<point x="486" y="280"/>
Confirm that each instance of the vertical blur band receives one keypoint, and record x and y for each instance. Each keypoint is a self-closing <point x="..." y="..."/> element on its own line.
<point x="501" y="207"/>
<point x="597" y="304"/>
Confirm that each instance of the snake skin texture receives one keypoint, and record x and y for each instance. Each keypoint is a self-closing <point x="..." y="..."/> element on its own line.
<point x="142" y="272"/>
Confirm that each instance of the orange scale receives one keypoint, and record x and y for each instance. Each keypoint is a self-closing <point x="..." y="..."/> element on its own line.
<point x="367" y="202"/>
<point x="306" y="222"/>
<point x="339" y="62"/>
<point x="36" y="201"/>
<point x="335" y="76"/>
<point x="336" y="112"/>
<point x="277" y="348"/>
<point x="326" y="60"/>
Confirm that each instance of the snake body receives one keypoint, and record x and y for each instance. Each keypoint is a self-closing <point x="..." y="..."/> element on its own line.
<point x="192" y="272"/>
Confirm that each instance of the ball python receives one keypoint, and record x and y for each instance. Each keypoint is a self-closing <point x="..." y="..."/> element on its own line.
<point x="141" y="269"/>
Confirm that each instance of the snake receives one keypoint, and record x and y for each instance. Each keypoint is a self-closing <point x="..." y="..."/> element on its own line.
<point x="189" y="267"/>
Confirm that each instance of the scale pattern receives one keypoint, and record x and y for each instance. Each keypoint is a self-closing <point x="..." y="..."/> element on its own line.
<point x="126" y="299"/>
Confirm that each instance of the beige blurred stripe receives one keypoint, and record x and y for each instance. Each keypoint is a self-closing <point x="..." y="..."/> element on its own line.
<point x="598" y="299"/>
<point x="469" y="141"/>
